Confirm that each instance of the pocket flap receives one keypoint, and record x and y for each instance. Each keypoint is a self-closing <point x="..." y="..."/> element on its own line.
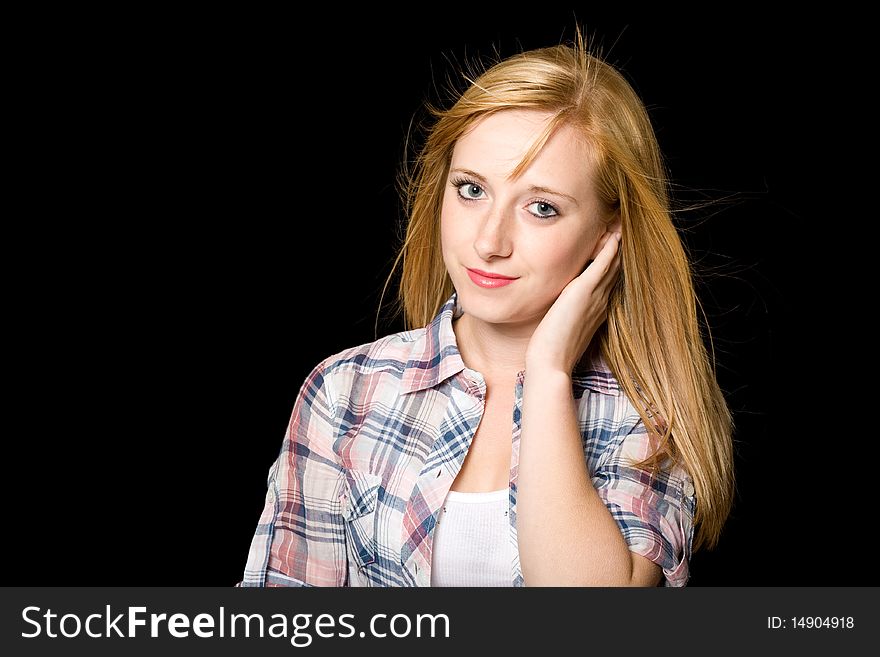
<point x="361" y="494"/>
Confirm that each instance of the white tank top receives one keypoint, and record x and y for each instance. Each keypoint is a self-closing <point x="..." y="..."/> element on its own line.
<point x="472" y="545"/>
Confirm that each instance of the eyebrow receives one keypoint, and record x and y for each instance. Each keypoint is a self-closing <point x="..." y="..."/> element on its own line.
<point x="533" y="188"/>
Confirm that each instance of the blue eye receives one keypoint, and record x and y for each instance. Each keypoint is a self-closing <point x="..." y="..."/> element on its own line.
<point x="466" y="188"/>
<point x="544" y="210"/>
<point x="470" y="191"/>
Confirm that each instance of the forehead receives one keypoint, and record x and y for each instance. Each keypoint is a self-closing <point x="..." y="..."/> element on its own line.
<point x="496" y="144"/>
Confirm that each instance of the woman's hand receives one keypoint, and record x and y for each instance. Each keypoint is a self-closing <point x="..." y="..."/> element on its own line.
<point x="566" y="330"/>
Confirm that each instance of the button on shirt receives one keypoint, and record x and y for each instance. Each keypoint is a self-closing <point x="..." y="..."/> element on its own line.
<point x="376" y="438"/>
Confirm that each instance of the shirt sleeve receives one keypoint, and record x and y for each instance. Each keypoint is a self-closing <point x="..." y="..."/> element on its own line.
<point x="300" y="537"/>
<point x="654" y="513"/>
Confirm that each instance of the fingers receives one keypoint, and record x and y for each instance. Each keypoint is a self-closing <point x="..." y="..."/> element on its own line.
<point x="608" y="258"/>
<point x="611" y="272"/>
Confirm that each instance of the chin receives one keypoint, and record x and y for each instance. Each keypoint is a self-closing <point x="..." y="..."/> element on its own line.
<point x="489" y="308"/>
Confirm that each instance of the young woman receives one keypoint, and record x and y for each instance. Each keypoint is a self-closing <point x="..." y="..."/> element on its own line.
<point x="552" y="417"/>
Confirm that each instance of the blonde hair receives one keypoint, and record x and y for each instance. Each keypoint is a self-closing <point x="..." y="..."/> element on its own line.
<point x="652" y="338"/>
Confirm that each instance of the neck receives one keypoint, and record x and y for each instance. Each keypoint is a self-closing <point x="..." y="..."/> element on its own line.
<point x="497" y="351"/>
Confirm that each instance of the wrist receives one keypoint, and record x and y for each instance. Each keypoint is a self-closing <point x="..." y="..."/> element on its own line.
<point x="546" y="373"/>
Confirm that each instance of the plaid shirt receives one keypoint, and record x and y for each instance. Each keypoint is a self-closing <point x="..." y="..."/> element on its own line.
<point x="379" y="432"/>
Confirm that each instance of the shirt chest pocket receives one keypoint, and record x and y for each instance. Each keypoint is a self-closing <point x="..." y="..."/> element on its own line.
<point x="360" y="497"/>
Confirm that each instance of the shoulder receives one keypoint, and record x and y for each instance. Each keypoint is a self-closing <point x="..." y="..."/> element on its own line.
<point x="603" y="406"/>
<point x="611" y="404"/>
<point x="388" y="351"/>
<point x="593" y="373"/>
<point x="388" y="356"/>
<point x="613" y="428"/>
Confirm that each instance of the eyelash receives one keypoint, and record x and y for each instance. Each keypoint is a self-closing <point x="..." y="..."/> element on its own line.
<point x="458" y="182"/>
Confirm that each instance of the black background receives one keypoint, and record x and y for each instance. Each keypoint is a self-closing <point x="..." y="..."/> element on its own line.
<point x="205" y="208"/>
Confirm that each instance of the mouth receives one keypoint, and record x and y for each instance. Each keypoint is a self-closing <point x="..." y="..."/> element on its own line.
<point x="489" y="280"/>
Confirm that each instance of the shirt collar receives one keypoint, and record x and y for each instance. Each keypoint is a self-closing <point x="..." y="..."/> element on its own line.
<point x="435" y="357"/>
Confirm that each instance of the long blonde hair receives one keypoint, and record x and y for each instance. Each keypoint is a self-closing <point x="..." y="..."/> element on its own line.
<point x="652" y="337"/>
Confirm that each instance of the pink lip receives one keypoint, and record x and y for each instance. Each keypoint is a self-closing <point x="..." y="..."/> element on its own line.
<point x="487" y="280"/>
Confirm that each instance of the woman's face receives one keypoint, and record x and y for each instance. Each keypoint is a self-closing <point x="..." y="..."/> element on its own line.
<point x="540" y="229"/>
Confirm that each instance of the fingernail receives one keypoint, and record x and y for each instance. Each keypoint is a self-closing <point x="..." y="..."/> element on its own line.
<point x="617" y="235"/>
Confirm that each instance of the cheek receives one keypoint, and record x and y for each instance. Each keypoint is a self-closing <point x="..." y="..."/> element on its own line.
<point x="560" y="261"/>
<point x="444" y="227"/>
<point x="452" y="227"/>
<point x="450" y="230"/>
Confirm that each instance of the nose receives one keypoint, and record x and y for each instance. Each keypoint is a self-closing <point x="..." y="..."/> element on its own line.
<point x="494" y="237"/>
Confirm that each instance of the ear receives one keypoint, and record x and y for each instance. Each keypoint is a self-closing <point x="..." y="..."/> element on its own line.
<point x="613" y="226"/>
